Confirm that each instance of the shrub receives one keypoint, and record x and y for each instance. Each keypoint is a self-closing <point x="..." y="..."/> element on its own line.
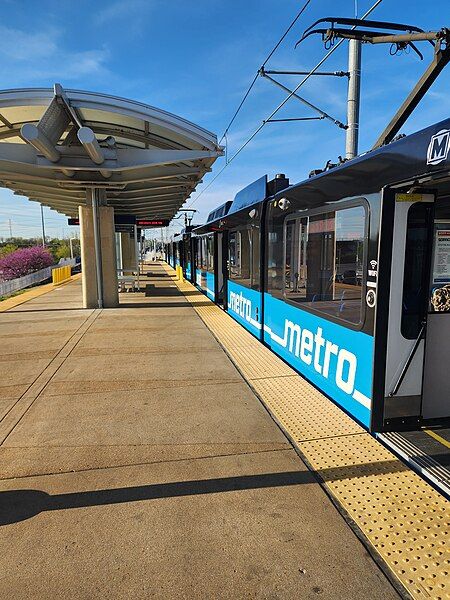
<point x="7" y="249"/>
<point x="62" y="251"/>
<point x="24" y="261"/>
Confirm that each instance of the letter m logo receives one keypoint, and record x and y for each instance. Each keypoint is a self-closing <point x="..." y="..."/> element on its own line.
<point x="438" y="147"/>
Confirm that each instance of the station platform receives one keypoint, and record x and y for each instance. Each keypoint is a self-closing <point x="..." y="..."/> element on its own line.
<point x="138" y="458"/>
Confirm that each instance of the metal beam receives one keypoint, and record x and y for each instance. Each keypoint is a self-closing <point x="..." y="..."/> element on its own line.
<point x="133" y="207"/>
<point x="149" y="210"/>
<point x="306" y="102"/>
<point x="90" y="144"/>
<point x="61" y="96"/>
<point x="34" y="136"/>
<point x="55" y="200"/>
<point x="295" y="119"/>
<point x="149" y="196"/>
<point x="29" y="186"/>
<point x="440" y="60"/>
<point x="323" y="73"/>
<point x="127" y="206"/>
<point x="138" y="204"/>
<point x="157" y="188"/>
<point x="137" y="157"/>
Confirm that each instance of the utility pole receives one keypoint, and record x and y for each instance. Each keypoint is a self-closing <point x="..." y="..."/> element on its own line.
<point x="71" y="246"/>
<point x="353" y="98"/>
<point x="10" y="228"/>
<point x="43" y="226"/>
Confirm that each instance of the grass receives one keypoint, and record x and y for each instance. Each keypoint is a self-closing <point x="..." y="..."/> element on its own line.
<point x="18" y="293"/>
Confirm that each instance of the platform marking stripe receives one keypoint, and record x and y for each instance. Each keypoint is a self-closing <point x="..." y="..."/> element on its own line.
<point x="437" y="437"/>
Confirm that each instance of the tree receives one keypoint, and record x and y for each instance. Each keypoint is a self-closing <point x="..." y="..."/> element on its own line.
<point x="24" y="261"/>
<point x="61" y="251"/>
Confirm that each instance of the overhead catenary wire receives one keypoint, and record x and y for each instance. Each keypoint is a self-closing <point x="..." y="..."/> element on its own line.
<point x="279" y="107"/>
<point x="271" y="53"/>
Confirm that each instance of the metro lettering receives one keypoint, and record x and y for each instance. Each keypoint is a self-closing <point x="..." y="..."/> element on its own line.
<point x="307" y="346"/>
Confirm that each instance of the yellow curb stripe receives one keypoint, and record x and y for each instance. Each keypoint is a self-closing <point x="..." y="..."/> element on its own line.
<point x="437" y="437"/>
<point x="10" y="303"/>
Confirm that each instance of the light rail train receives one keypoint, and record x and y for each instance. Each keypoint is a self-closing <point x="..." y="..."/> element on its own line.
<point x="346" y="276"/>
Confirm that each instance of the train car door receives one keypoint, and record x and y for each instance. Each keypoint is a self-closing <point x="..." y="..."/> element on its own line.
<point x="187" y="266"/>
<point x="436" y="380"/>
<point x="417" y="386"/>
<point x="220" y="266"/>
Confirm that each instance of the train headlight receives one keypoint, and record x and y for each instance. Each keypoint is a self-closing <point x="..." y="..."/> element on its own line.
<point x="284" y="203"/>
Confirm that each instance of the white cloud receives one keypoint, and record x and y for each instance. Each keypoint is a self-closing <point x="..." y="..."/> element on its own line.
<point x="27" y="58"/>
<point x="17" y="45"/>
<point x="122" y="9"/>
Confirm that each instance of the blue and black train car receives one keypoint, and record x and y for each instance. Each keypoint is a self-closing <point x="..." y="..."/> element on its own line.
<point x="346" y="276"/>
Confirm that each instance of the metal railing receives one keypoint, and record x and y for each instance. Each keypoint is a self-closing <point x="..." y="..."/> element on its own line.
<point x="14" y="285"/>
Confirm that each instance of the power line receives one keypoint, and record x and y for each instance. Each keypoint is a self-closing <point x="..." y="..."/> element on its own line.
<point x="271" y="53"/>
<point x="280" y="106"/>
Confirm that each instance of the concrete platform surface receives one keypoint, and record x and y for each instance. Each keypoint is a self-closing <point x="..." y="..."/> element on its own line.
<point x="135" y="462"/>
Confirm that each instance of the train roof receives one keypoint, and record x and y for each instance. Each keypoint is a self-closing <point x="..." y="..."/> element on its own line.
<point x="420" y="156"/>
<point x="252" y="194"/>
<point x="219" y="212"/>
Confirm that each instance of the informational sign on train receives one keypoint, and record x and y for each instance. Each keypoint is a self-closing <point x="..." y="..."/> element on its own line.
<point x="441" y="265"/>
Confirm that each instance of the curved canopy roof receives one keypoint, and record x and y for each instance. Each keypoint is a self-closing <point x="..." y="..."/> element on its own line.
<point x="56" y="144"/>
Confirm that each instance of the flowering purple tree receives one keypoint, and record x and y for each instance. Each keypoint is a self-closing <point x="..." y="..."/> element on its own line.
<point x="24" y="261"/>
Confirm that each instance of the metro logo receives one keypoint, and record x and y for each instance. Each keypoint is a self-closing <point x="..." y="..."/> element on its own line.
<point x="438" y="147"/>
<point x="244" y="305"/>
<point x="313" y="348"/>
<point x="335" y="358"/>
<point x="240" y="305"/>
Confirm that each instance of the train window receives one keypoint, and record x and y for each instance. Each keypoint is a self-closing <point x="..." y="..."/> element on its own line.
<point x="323" y="267"/>
<point x="210" y="254"/>
<point x="233" y="252"/>
<point x="204" y="253"/>
<point x="198" y="253"/>
<point x="239" y="256"/>
<point x="255" y="258"/>
<point x="274" y="251"/>
<point x="415" y="278"/>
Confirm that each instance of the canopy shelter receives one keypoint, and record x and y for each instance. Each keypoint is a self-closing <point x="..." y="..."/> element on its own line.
<point x="55" y="144"/>
<point x="96" y="155"/>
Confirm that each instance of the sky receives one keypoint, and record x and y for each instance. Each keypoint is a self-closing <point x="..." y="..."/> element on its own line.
<point x="196" y="59"/>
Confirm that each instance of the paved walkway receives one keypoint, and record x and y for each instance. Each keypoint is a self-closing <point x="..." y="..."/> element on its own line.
<point x="137" y="463"/>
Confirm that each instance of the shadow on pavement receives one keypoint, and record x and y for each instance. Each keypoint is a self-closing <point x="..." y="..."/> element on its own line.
<point x="19" y="505"/>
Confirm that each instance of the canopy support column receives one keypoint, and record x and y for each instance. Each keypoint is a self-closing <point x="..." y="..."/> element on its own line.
<point x="98" y="252"/>
<point x="97" y="246"/>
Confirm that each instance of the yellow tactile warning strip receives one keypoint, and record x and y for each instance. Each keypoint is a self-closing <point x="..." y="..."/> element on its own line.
<point x="32" y="293"/>
<point x="401" y="517"/>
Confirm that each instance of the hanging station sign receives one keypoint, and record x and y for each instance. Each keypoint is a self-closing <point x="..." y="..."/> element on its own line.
<point x="148" y="223"/>
<point x="130" y="220"/>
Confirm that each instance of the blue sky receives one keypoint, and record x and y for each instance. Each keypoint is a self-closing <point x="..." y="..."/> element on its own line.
<point x="196" y="59"/>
